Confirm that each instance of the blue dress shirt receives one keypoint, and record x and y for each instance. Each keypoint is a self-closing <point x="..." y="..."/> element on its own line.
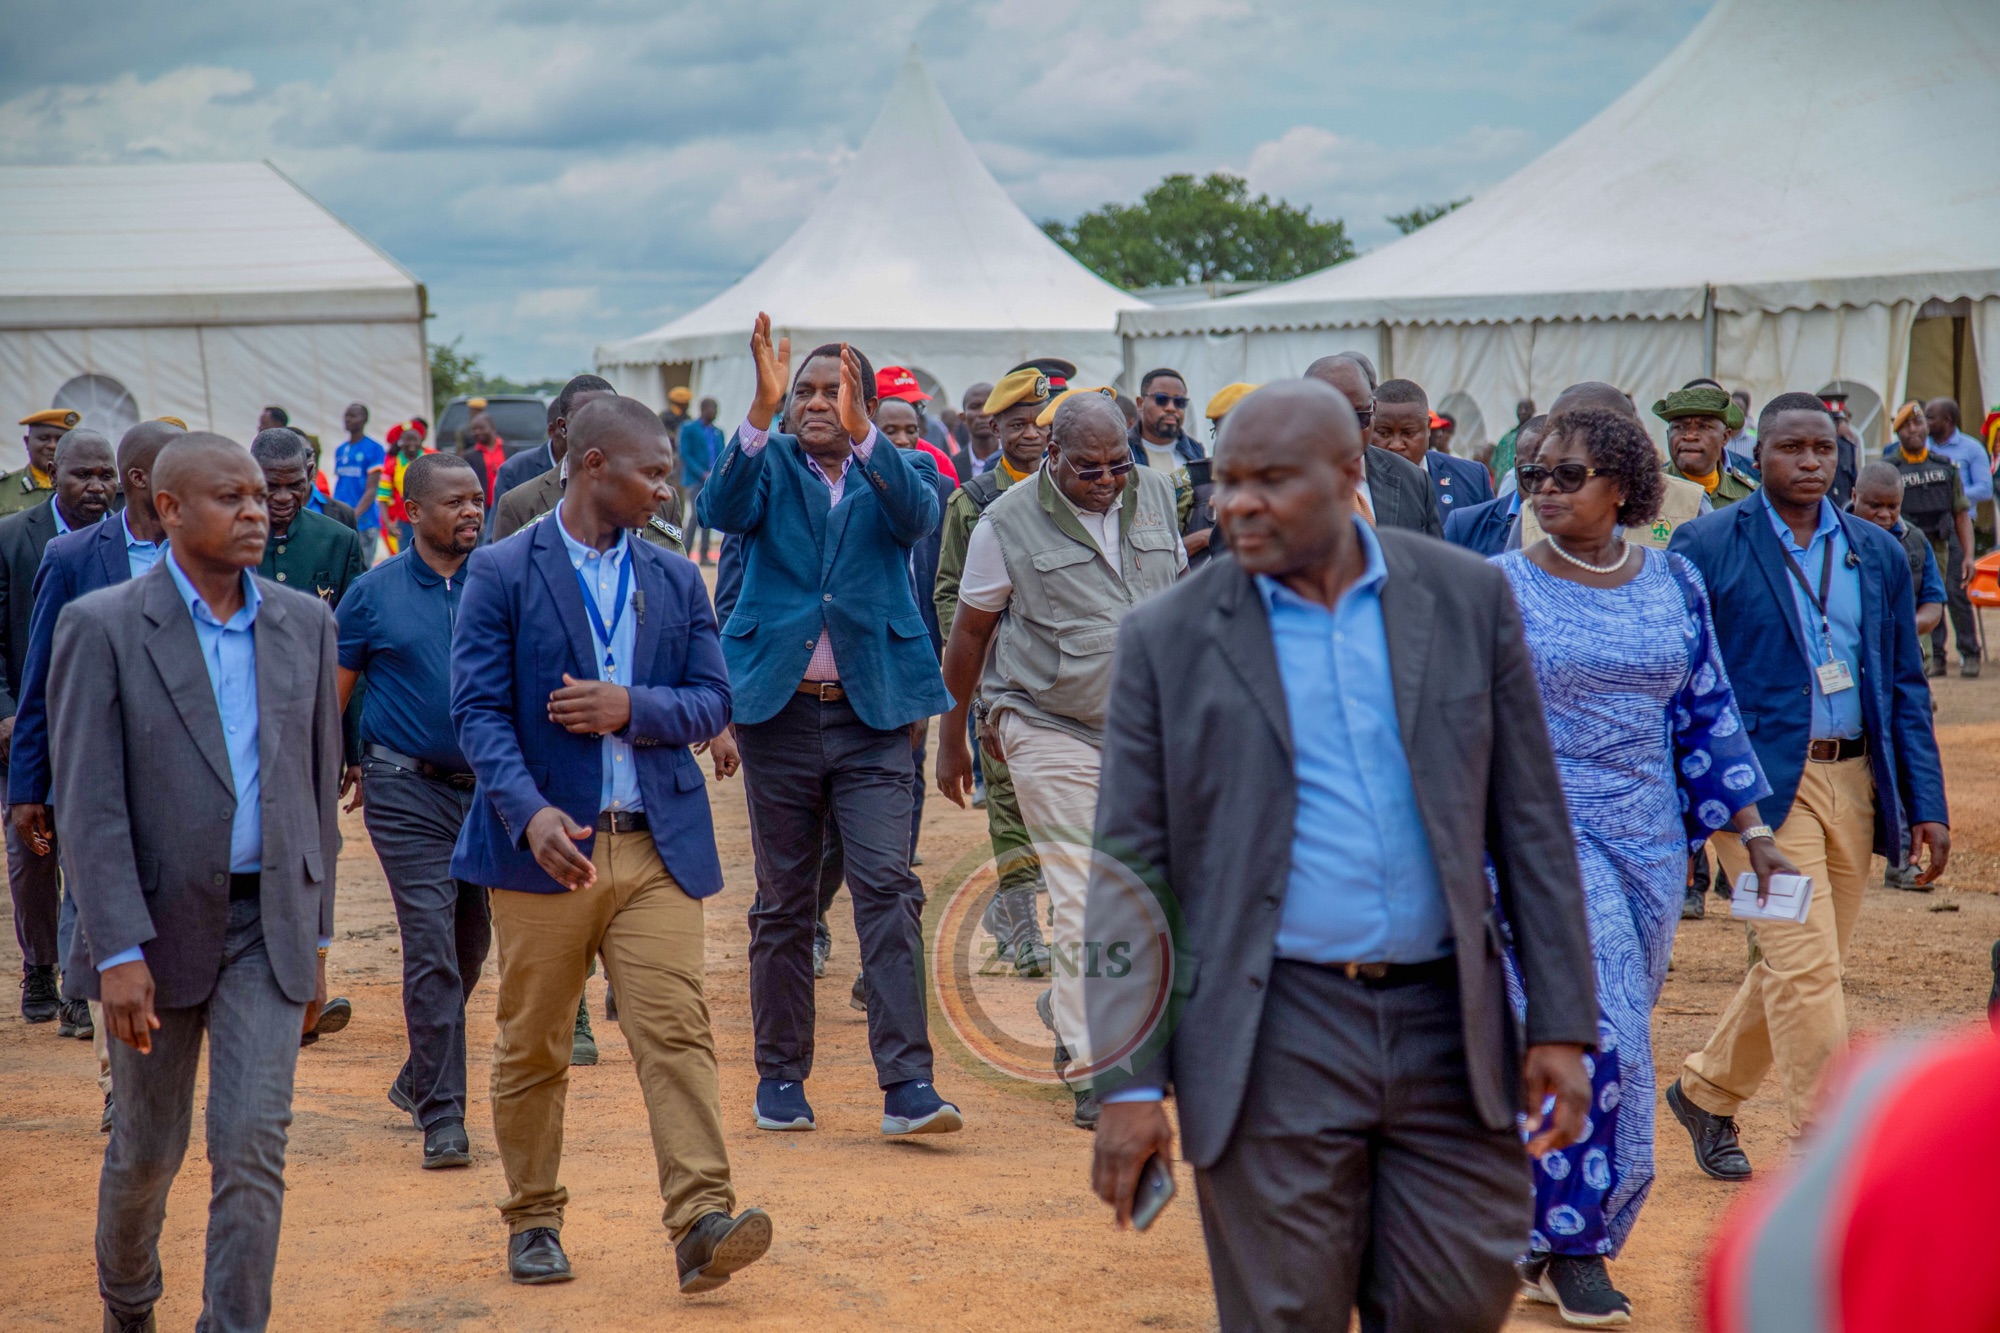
<point x="1835" y="716"/>
<point x="140" y="557"/>
<point x="1363" y="886"/>
<point x="599" y="572"/>
<point x="1975" y="469"/>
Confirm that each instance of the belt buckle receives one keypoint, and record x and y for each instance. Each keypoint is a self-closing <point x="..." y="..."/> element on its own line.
<point x="828" y="691"/>
<point x="1823" y="751"/>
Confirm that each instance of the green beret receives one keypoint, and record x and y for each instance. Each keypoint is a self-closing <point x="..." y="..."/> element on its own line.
<point x="1026" y="385"/>
<point x="1703" y="400"/>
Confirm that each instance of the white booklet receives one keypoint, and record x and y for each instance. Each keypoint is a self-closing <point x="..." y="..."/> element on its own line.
<point x="1791" y="897"/>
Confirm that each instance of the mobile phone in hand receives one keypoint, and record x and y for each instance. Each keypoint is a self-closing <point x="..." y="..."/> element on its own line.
<point x="1153" y="1192"/>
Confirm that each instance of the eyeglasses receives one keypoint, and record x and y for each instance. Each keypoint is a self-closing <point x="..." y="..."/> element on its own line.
<point x="1568" y="477"/>
<point x="1168" y="400"/>
<point x="1090" y="474"/>
<point x="1364" y="415"/>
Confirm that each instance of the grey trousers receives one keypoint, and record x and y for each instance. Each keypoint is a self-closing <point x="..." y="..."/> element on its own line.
<point x="253" y="1034"/>
<point x="1359" y="1174"/>
<point x="446" y="927"/>
<point x="33" y="882"/>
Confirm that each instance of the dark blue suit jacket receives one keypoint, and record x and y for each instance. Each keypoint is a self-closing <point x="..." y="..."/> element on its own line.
<point x="1481" y="527"/>
<point x="1757" y="624"/>
<point x="72" y="564"/>
<point x="521" y="625"/>
<point x="809" y="565"/>
<point x="1458" y="483"/>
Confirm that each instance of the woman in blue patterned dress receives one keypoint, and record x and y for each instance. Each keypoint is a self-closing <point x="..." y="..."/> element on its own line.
<point x="1653" y="759"/>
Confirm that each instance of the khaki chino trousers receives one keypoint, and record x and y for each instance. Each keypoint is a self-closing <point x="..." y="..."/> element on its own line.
<point x="650" y="935"/>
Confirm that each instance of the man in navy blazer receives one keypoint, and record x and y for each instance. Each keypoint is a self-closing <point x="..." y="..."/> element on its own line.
<point x="1490" y="527"/>
<point x="1402" y="425"/>
<point x="830" y="664"/>
<point x="584" y="665"/>
<point x="1814" y="611"/>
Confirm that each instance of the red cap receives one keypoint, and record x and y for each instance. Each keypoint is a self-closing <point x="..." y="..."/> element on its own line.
<point x="1440" y="422"/>
<point x="898" y="382"/>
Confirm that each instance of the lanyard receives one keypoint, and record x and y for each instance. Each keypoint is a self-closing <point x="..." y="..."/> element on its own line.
<point x="597" y="624"/>
<point x="1819" y="602"/>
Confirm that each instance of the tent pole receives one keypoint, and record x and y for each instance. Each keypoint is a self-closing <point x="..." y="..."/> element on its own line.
<point x="1708" y="332"/>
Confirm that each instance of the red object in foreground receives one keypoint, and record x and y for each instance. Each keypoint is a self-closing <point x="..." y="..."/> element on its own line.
<point x="1888" y="1223"/>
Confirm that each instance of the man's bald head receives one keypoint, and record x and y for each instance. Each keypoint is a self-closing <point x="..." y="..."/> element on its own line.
<point x="194" y="455"/>
<point x="1084" y="416"/>
<point x="1316" y="417"/>
<point x="1343" y="372"/>
<point x="85" y="439"/>
<point x="1595" y="396"/>
<point x="141" y="445"/>
<point x="213" y="503"/>
<point x="1317" y="370"/>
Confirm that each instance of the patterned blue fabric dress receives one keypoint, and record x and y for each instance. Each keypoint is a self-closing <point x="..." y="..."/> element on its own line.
<point x="1653" y="759"/>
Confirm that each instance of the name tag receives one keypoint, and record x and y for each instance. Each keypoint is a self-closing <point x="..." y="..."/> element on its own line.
<point x="1834" y="677"/>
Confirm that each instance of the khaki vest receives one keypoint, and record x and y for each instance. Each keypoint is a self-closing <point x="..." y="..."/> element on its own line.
<point x="1051" y="658"/>
<point x="1681" y="504"/>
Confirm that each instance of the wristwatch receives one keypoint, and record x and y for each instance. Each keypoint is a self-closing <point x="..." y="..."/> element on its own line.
<point x="1756" y="831"/>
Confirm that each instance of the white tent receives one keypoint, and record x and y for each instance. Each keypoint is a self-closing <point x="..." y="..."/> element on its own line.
<point x="1802" y="192"/>
<point x="200" y="291"/>
<point x="916" y="256"/>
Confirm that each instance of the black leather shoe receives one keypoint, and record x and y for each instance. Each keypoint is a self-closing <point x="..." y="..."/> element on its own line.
<point x="536" y="1256"/>
<point x="337" y="1014"/>
<point x="399" y="1097"/>
<point x="75" y="1020"/>
<point x="1716" y="1150"/>
<point x="128" y="1323"/>
<point x="1693" y="906"/>
<point x="40" y="999"/>
<point x="718" y="1245"/>
<point x="445" y="1144"/>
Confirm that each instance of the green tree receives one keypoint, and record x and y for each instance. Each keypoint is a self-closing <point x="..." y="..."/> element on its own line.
<point x="452" y="372"/>
<point x="1209" y="230"/>
<point x="1424" y="214"/>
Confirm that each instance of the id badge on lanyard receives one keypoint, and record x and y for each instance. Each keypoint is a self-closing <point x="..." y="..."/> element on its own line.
<point x="1834" y="674"/>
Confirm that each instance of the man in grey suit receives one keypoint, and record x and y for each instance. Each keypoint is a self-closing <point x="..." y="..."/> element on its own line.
<point x="195" y="735"/>
<point x="1346" y="1063"/>
<point x="1397" y="493"/>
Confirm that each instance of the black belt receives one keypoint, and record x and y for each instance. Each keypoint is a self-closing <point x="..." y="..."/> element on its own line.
<point x="423" y="768"/>
<point x="1833" y="751"/>
<point x="247" y="885"/>
<point x="623" y="821"/>
<point x="1383" y="976"/>
<point x="826" y="691"/>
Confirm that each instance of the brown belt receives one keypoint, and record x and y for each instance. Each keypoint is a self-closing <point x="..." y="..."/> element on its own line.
<point x="1442" y="971"/>
<point x="1833" y="751"/>
<point x="826" y="691"/>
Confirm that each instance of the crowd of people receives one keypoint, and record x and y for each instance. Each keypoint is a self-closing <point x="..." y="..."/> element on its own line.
<point x="1430" y="759"/>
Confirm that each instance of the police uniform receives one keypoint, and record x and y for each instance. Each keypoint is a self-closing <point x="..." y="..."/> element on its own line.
<point x="24" y="487"/>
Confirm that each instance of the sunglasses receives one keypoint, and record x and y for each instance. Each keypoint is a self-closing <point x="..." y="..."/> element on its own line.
<point x="1568" y="478"/>
<point x="1364" y="415"/>
<point x="1090" y="474"/>
<point x="1168" y="400"/>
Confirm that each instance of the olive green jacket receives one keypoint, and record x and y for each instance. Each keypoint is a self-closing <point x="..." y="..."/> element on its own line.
<point x="317" y="555"/>
<point x="18" y="491"/>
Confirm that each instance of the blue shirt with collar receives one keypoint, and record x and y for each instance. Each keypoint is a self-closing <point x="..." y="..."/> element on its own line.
<point x="1835" y="716"/>
<point x="1975" y="469"/>
<point x="396" y="623"/>
<point x="599" y="571"/>
<point x="140" y="557"/>
<point x="1363" y="884"/>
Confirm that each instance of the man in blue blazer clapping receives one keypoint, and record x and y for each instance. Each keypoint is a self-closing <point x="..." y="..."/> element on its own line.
<point x="584" y="665"/>
<point x="830" y="665"/>
<point x="1814" y="611"/>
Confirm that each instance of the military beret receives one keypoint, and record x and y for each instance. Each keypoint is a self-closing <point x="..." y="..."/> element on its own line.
<point x="53" y="416"/>
<point x="1059" y="371"/>
<point x="173" y="421"/>
<point x="1048" y="414"/>
<point x="1025" y="385"/>
<point x="1228" y="396"/>
<point x="1703" y="400"/>
<point x="679" y="397"/>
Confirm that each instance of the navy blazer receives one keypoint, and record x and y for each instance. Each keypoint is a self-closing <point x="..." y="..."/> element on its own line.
<point x="810" y="565"/>
<point x="521" y="625"/>
<point x="1481" y="527"/>
<point x="1757" y="625"/>
<point x="1459" y="483"/>
<point x="73" y="564"/>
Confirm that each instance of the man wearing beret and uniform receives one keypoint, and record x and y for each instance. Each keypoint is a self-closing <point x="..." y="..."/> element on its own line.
<point x="26" y="487"/>
<point x="1015" y="407"/>
<point x="1700" y="420"/>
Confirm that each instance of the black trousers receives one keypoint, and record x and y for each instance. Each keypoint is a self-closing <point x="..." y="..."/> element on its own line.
<point x="445" y="924"/>
<point x="1359" y="1174"/>
<point x="35" y="886"/>
<point x="811" y="763"/>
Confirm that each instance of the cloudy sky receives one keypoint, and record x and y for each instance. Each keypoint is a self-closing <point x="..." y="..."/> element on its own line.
<point x="561" y="173"/>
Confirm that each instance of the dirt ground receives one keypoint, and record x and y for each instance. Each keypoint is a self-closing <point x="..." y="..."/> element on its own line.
<point x="992" y="1228"/>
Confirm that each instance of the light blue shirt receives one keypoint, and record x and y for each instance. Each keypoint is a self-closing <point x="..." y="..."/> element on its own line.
<point x="1835" y="716"/>
<point x="1363" y="886"/>
<point x="1975" y="469"/>
<point x="140" y="557"/>
<point x="599" y="572"/>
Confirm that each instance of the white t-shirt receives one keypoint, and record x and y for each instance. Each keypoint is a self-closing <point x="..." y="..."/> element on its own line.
<point x="984" y="586"/>
<point x="1160" y="457"/>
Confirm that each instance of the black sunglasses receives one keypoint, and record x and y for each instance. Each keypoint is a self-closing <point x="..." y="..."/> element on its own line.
<point x="1168" y="400"/>
<point x="1364" y="415"/>
<point x="1568" y="477"/>
<point x="1088" y="474"/>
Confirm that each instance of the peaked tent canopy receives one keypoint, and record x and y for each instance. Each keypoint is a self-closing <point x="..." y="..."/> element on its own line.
<point x="202" y="291"/>
<point x="1740" y="212"/>
<point x="917" y="256"/>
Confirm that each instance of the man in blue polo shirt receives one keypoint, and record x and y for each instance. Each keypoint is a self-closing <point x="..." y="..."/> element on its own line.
<point x="357" y="470"/>
<point x="395" y="629"/>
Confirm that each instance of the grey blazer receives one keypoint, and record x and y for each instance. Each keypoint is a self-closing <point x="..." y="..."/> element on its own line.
<point x="143" y="795"/>
<point x="1197" y="784"/>
<point x="1401" y="493"/>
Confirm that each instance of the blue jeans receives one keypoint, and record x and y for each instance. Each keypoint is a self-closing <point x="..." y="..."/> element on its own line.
<point x="253" y="1033"/>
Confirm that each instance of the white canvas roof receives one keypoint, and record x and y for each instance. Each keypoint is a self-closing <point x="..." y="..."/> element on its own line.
<point x="1791" y="154"/>
<point x="916" y="239"/>
<point x="184" y="244"/>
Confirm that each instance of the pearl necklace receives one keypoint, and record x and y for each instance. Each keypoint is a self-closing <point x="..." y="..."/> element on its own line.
<point x="1612" y="568"/>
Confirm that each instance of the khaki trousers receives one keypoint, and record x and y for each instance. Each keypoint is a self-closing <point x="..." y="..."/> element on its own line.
<point x="1789" y="1011"/>
<point x="1055" y="780"/>
<point x="650" y="935"/>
